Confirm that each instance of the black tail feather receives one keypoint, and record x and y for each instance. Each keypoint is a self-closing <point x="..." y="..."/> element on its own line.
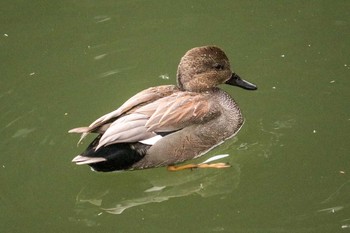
<point x="119" y="156"/>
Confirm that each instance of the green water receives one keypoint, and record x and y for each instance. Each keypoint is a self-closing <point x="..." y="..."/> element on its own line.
<point x="65" y="63"/>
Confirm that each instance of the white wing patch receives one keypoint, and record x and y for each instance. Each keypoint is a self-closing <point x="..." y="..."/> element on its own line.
<point x="151" y="141"/>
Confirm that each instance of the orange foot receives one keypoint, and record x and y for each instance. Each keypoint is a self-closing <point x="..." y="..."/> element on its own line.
<point x="201" y="165"/>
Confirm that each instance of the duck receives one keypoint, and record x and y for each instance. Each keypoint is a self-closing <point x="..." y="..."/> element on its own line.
<point x="169" y="124"/>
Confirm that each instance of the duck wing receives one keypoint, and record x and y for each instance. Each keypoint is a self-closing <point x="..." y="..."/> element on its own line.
<point x="142" y="98"/>
<point x="167" y="114"/>
<point x="178" y="111"/>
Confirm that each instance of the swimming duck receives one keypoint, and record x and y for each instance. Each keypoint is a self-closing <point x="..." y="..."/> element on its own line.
<point x="168" y="124"/>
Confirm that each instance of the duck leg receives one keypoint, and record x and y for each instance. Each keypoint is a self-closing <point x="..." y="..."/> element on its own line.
<point x="201" y="165"/>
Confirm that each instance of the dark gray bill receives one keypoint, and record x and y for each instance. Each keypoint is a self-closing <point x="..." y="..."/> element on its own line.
<point x="235" y="80"/>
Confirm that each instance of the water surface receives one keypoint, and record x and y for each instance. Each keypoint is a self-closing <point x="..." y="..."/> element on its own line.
<point x="66" y="63"/>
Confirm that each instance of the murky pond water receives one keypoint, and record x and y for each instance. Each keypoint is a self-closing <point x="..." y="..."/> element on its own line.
<point x="66" y="63"/>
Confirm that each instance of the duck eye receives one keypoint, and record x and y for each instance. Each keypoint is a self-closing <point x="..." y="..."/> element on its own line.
<point x="218" y="66"/>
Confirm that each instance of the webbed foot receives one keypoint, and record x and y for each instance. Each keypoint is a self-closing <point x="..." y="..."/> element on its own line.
<point x="201" y="165"/>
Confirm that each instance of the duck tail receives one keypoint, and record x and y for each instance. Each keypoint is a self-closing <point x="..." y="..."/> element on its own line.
<point x="83" y="130"/>
<point x="80" y="130"/>
<point x="114" y="157"/>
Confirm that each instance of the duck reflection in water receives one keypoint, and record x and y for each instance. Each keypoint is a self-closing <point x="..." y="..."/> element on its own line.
<point x="153" y="187"/>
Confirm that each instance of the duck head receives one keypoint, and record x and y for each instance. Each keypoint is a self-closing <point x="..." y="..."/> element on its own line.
<point x="203" y="68"/>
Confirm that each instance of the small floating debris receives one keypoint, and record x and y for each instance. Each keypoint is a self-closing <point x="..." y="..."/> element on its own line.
<point x="102" y="18"/>
<point x="31" y="74"/>
<point x="333" y="81"/>
<point x="6" y="35"/>
<point x="164" y="76"/>
<point x="109" y="73"/>
<point x="282" y="55"/>
<point x="274" y="87"/>
<point x="314" y="131"/>
<point x="98" y="57"/>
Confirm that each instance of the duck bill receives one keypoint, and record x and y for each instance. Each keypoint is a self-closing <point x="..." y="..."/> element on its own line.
<point x="235" y="80"/>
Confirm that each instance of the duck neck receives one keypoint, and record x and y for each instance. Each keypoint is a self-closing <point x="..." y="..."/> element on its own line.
<point x="194" y="84"/>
